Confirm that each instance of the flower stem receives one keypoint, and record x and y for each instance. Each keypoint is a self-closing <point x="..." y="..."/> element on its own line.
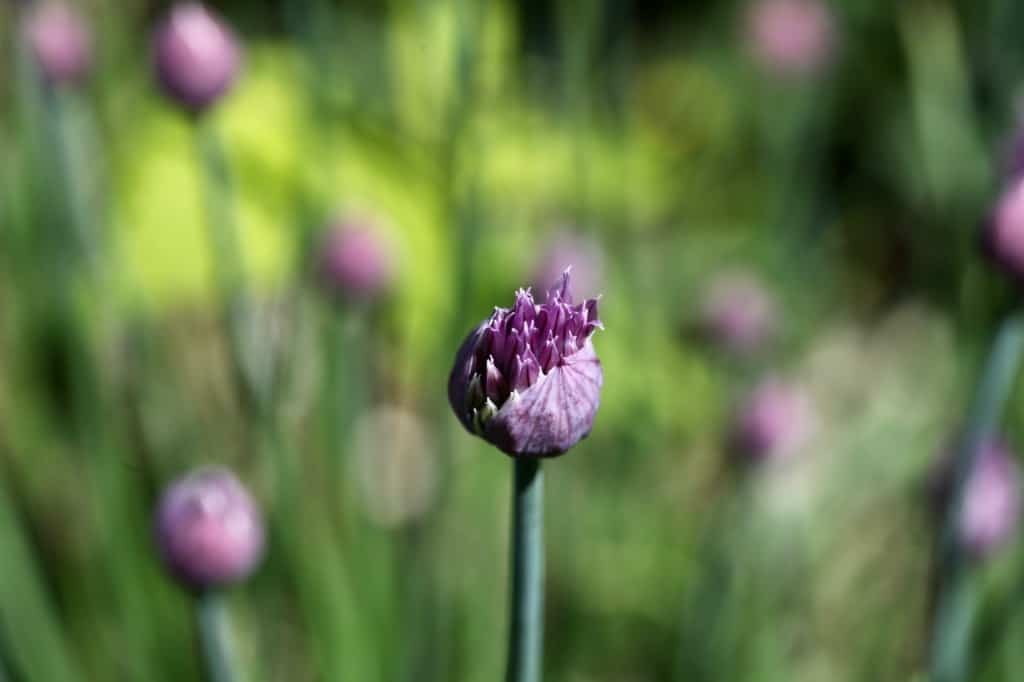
<point x="214" y="638"/>
<point x="526" y="627"/>
<point x="955" y="603"/>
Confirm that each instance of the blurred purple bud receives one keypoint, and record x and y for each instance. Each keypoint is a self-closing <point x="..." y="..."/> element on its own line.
<point x="527" y="380"/>
<point x="775" y="421"/>
<point x="738" y="314"/>
<point x="1004" y="230"/>
<point x="791" y="38"/>
<point x="60" y="41"/>
<point x="991" y="501"/>
<point x="197" y="56"/>
<point x="395" y="466"/>
<point x="582" y="254"/>
<point x="209" y="530"/>
<point x="356" y="261"/>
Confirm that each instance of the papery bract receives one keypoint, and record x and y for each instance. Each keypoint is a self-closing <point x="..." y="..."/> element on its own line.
<point x="528" y="379"/>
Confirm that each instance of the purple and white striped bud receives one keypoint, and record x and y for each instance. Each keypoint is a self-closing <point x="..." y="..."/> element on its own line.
<point x="197" y="56"/>
<point x="60" y="41"/>
<point x="775" y="421"/>
<point x="738" y="313"/>
<point x="991" y="504"/>
<point x="1004" y="231"/>
<point x="527" y="379"/>
<point x="567" y="250"/>
<point x="791" y="38"/>
<point x="356" y="261"/>
<point x="209" y="530"/>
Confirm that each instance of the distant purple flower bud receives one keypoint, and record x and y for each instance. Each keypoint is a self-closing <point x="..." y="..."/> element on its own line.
<point x="582" y="254"/>
<point x="775" y="421"/>
<point x="738" y="312"/>
<point x="356" y="261"/>
<point x="991" y="501"/>
<point x="197" y="56"/>
<point x="1004" y="231"/>
<point x="209" y="530"/>
<point x="527" y="379"/>
<point x="60" y="41"/>
<point x="791" y="38"/>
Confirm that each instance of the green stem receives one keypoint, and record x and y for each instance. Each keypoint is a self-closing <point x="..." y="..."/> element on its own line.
<point x="955" y="603"/>
<point x="214" y="637"/>
<point x="229" y="269"/>
<point x="526" y="629"/>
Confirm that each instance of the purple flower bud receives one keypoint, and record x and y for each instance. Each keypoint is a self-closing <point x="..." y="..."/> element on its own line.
<point x="738" y="313"/>
<point x="356" y="261"/>
<point x="774" y="422"/>
<point x="527" y="379"/>
<point x="209" y="530"/>
<point x="582" y="254"/>
<point x="60" y="41"/>
<point x="1004" y="232"/>
<point x="991" y="501"/>
<point x="197" y="57"/>
<point x="791" y="38"/>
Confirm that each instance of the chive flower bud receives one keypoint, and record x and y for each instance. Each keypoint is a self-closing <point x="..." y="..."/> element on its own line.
<point x="1004" y="232"/>
<point x="991" y="505"/>
<point x="196" y="55"/>
<point x="527" y="379"/>
<point x="791" y="39"/>
<point x="60" y="41"/>
<point x="356" y="262"/>
<point x="209" y="530"/>
<point x="774" y="422"/>
<point x="738" y="314"/>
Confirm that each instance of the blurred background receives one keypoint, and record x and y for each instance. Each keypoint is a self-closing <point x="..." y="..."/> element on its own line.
<point x="779" y="201"/>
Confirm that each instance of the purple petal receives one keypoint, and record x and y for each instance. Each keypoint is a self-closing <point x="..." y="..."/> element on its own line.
<point x="553" y="414"/>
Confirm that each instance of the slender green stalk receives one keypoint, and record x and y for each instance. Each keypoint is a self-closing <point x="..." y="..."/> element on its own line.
<point x="227" y="252"/>
<point x="229" y="268"/>
<point x="955" y="603"/>
<point x="526" y="625"/>
<point x="214" y="637"/>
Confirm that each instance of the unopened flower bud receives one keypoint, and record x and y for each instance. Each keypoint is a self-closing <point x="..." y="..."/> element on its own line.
<point x="527" y="379"/>
<point x="1004" y="231"/>
<point x="774" y="422"/>
<point x="60" y="42"/>
<point x="791" y="38"/>
<point x="209" y="530"/>
<point x="738" y="313"/>
<point x="197" y="56"/>
<point x="991" y="504"/>
<point x="356" y="262"/>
